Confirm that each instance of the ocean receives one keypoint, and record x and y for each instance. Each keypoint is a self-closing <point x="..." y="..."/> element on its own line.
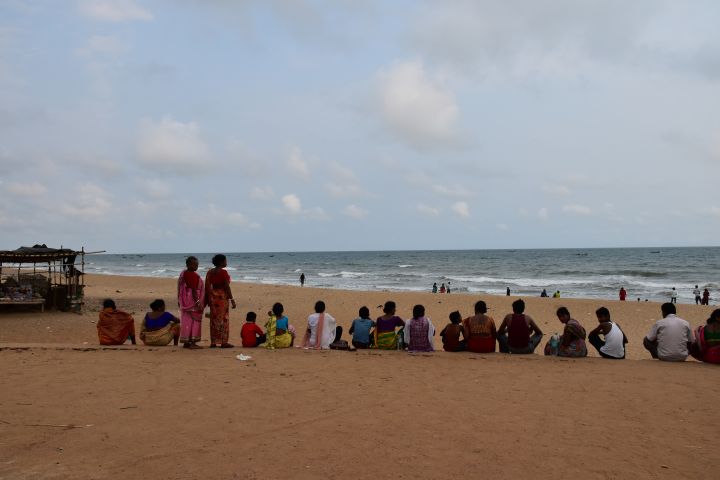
<point x="646" y="273"/>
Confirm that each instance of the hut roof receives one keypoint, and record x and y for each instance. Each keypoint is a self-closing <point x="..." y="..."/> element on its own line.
<point x="37" y="255"/>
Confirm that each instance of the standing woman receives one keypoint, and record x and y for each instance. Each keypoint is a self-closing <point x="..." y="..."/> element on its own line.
<point x="217" y="295"/>
<point x="191" y="300"/>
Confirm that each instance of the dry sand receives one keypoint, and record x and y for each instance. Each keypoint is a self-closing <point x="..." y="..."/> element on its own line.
<point x="69" y="409"/>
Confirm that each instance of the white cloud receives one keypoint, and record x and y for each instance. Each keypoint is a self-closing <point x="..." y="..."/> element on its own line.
<point x="427" y="210"/>
<point x="354" y="211"/>
<point x="114" y="10"/>
<point x="32" y="189"/>
<point x="156" y="189"/>
<point x="543" y="213"/>
<point x="417" y="108"/>
<point x="292" y="204"/>
<point x="456" y="191"/>
<point x="461" y="209"/>
<point x="557" y="190"/>
<point x="297" y="165"/>
<point x="577" y="209"/>
<point x="714" y="211"/>
<point x="262" y="193"/>
<point x="170" y="145"/>
<point x="88" y="201"/>
<point x="316" y="213"/>
<point x="213" y="216"/>
<point x="103" y="44"/>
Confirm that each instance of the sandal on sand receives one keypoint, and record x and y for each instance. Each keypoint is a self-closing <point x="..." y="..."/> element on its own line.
<point x="213" y="346"/>
<point x="195" y="347"/>
<point x="227" y="345"/>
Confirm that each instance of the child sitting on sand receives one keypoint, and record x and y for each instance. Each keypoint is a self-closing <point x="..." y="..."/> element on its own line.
<point x="451" y="334"/>
<point x="361" y="328"/>
<point x="251" y="334"/>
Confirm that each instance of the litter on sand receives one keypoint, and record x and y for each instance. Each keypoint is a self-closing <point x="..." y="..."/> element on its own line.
<point x="243" y="358"/>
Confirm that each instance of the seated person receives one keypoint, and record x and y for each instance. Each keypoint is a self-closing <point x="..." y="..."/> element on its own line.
<point x="361" y="328"/>
<point x="250" y="333"/>
<point x="279" y="333"/>
<point x="321" y="329"/>
<point x="115" y="326"/>
<point x="518" y="332"/>
<point x="479" y="330"/>
<point x="572" y="342"/>
<point x="386" y="338"/>
<point x="706" y="346"/>
<point x="159" y="327"/>
<point x="670" y="338"/>
<point x="613" y="346"/>
<point x="420" y="331"/>
<point x="451" y="334"/>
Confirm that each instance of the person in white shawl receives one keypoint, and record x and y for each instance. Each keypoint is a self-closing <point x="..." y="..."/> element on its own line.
<point x="321" y="328"/>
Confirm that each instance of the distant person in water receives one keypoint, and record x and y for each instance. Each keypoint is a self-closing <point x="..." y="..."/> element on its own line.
<point x="434" y="288"/>
<point x="705" y="297"/>
<point x="114" y="326"/>
<point x="706" y="346"/>
<point x="673" y="295"/>
<point x="696" y="294"/>
<point x="622" y="294"/>
<point x="159" y="327"/>
<point x="670" y="338"/>
<point x="361" y="329"/>
<point x="451" y="334"/>
<point x="572" y="341"/>
<point x="507" y="291"/>
<point x="518" y="333"/>
<point x="302" y="279"/>
<point x="479" y="330"/>
<point x="419" y="331"/>
<point x="544" y="294"/>
<point x="613" y="346"/>
<point x="448" y="288"/>
<point x="556" y="294"/>
<point x="442" y="288"/>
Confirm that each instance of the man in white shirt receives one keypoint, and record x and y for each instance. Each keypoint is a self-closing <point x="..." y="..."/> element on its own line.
<point x="673" y="295"/>
<point x="696" y="292"/>
<point x="670" y="338"/>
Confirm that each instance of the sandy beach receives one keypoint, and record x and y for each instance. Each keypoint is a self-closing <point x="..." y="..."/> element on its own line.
<point x="70" y="409"/>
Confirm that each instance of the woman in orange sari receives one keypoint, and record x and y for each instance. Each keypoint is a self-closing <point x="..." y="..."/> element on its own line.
<point x="217" y="296"/>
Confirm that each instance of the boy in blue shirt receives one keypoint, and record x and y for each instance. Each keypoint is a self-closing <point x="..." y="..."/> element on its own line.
<point x="360" y="329"/>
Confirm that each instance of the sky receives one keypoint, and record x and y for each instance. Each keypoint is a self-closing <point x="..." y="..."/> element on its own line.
<point x="279" y="125"/>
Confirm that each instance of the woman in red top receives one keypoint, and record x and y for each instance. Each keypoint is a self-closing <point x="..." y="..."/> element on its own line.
<point x="217" y="294"/>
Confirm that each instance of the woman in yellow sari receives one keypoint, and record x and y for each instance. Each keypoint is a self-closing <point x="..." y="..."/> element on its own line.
<point x="279" y="334"/>
<point x="385" y="336"/>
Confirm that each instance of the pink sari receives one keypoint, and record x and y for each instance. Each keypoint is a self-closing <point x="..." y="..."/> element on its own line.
<point x="190" y="310"/>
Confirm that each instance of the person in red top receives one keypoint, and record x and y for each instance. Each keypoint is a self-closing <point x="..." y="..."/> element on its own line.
<point x="518" y="333"/>
<point x="622" y="294"/>
<point x="217" y="296"/>
<point x="251" y="334"/>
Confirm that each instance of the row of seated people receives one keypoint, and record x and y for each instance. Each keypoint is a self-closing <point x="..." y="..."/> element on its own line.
<point x="670" y="339"/>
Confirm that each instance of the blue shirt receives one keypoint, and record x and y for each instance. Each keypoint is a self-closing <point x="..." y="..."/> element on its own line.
<point x="158" y="323"/>
<point x="360" y="329"/>
<point x="282" y="323"/>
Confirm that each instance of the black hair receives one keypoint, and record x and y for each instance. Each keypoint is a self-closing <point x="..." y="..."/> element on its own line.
<point x="157" y="305"/>
<point x="278" y="309"/>
<point x="319" y="306"/>
<point x="668" y="309"/>
<point x="364" y="312"/>
<point x="714" y="317"/>
<point x="455" y="317"/>
<point x="218" y="259"/>
<point x="389" y="307"/>
<point x="418" y="311"/>
<point x="190" y="259"/>
<point x="250" y="317"/>
<point x="518" y="306"/>
<point x="480" y="307"/>
<point x="562" y="311"/>
<point x="109" y="303"/>
<point x="602" y="312"/>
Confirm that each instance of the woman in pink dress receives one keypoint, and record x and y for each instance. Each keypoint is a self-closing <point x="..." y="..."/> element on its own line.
<point x="191" y="300"/>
